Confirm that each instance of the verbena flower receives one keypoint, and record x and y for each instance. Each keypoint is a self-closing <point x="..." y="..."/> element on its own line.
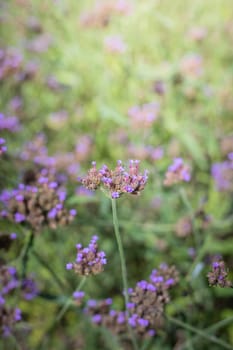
<point x="218" y="276"/>
<point x="29" y="288"/>
<point x="118" y="181"/>
<point x="3" y="147"/>
<point x="89" y="260"/>
<point x="222" y="174"/>
<point x="145" y="308"/>
<point x="177" y="172"/>
<point x="115" y="44"/>
<point x="144" y="116"/>
<point x="11" y="124"/>
<point x="78" y="297"/>
<point x="40" y="203"/>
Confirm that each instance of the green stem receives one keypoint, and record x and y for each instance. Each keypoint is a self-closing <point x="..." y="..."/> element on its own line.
<point x="57" y="279"/>
<point x="121" y="252"/>
<point x="123" y="266"/>
<point x="25" y="254"/>
<point x="69" y="301"/>
<point x="211" y="329"/>
<point x="200" y="333"/>
<point x="188" y="205"/>
<point x="60" y="315"/>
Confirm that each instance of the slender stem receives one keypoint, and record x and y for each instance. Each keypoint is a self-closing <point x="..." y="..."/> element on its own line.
<point x="60" y="314"/>
<point x="201" y="333"/>
<point x="121" y="251"/>
<point x="69" y="301"/>
<point x="188" y="205"/>
<point x="25" y="255"/>
<point x="123" y="267"/>
<point x="210" y="329"/>
<point x="56" y="278"/>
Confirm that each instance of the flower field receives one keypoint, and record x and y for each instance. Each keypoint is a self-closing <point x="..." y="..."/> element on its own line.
<point x="116" y="182"/>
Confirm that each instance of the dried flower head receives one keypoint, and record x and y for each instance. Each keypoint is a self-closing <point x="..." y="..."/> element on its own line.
<point x="118" y="181"/>
<point x="40" y="203"/>
<point x="89" y="260"/>
<point x="183" y="227"/>
<point x="177" y="172"/>
<point x="145" y="307"/>
<point x="218" y="275"/>
<point x="8" y="318"/>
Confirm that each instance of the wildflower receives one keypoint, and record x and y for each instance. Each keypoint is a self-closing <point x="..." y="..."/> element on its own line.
<point x="40" y="203"/>
<point x="144" y="116"/>
<point x="197" y="33"/>
<point x="115" y="44"/>
<point x="118" y="181"/>
<point x="177" y="172"/>
<point x="218" y="275"/>
<point x="78" y="297"/>
<point x="8" y="318"/>
<point x="183" y="227"/>
<point x="29" y="288"/>
<point x="3" y="147"/>
<point x="89" y="260"/>
<point x="191" y="65"/>
<point x="145" y="308"/>
<point x="9" y="123"/>
<point x="222" y="174"/>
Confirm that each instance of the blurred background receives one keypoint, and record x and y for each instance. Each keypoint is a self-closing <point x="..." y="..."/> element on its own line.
<point x="84" y="81"/>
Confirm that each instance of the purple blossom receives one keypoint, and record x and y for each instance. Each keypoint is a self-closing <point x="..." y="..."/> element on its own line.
<point x="96" y="318"/>
<point x="69" y="266"/>
<point x="19" y="217"/>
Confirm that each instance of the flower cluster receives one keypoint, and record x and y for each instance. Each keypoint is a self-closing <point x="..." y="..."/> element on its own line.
<point x="36" y="151"/>
<point x="8" y="318"/>
<point x="29" y="288"/>
<point x="218" y="275"/>
<point x="115" y="44"/>
<point x="117" y="181"/>
<point x="9" y="123"/>
<point x="145" y="308"/>
<point x="8" y="315"/>
<point x="10" y="63"/>
<point x="89" y="260"/>
<point x="40" y="203"/>
<point x="78" y="297"/>
<point x="177" y="172"/>
<point x="148" y="299"/>
<point x="3" y="147"/>
<point x="8" y="281"/>
<point x="145" y="115"/>
<point x="191" y="65"/>
<point x="145" y="152"/>
<point x="102" y="12"/>
<point x="223" y="174"/>
<point x="102" y="314"/>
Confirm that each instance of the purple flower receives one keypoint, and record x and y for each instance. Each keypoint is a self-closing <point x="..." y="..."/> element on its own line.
<point x="78" y="294"/>
<point x="19" y="217"/>
<point x="96" y="318"/>
<point x="115" y="195"/>
<point x="17" y="315"/>
<point x="73" y="212"/>
<point x="13" y="235"/>
<point x="69" y="266"/>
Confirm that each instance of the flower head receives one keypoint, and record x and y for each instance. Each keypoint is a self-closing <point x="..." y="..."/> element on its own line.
<point x="89" y="260"/>
<point x="118" y="181"/>
<point x="177" y="172"/>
